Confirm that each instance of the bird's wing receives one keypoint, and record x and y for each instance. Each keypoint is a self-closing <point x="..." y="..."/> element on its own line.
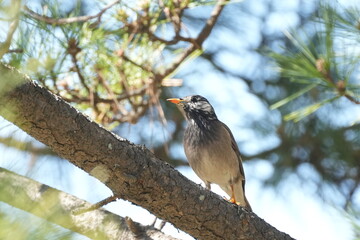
<point x="236" y="150"/>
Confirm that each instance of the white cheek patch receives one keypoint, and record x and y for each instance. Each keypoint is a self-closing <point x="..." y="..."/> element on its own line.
<point x="202" y="106"/>
<point x="206" y="108"/>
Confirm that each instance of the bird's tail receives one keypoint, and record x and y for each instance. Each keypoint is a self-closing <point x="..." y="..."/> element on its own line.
<point x="239" y="194"/>
<point x="247" y="205"/>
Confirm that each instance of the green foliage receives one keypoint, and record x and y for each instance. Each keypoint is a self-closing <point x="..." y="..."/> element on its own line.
<point x="110" y="65"/>
<point x="299" y="114"/>
<point x="320" y="62"/>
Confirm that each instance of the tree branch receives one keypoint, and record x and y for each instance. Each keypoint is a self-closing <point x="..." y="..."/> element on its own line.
<point x="351" y="98"/>
<point x="57" y="207"/>
<point x="340" y="86"/>
<point x="4" y="46"/>
<point x="210" y="23"/>
<point x="197" y="43"/>
<point x="130" y="171"/>
<point x="25" y="146"/>
<point x="62" y="21"/>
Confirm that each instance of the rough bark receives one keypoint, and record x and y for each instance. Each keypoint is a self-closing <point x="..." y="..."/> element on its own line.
<point x="58" y="207"/>
<point x="132" y="172"/>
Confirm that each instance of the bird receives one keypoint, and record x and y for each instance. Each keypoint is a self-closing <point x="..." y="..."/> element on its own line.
<point x="211" y="149"/>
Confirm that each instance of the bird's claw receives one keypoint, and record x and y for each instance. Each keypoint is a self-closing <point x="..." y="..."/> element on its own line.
<point x="232" y="200"/>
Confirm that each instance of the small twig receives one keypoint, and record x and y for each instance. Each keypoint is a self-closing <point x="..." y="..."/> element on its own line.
<point x="125" y="86"/>
<point x="177" y="23"/>
<point x="177" y="62"/>
<point x="133" y="116"/>
<point x="92" y="95"/>
<point x="16" y="50"/>
<point x="112" y="95"/>
<point x="351" y="98"/>
<point x="162" y="225"/>
<point x="153" y="37"/>
<point x="61" y="21"/>
<point x="153" y="223"/>
<point x="177" y="38"/>
<point x="73" y="49"/>
<point x="133" y="93"/>
<point x="143" y="67"/>
<point x="197" y="43"/>
<point x="175" y="20"/>
<point x="340" y="86"/>
<point x="134" y="228"/>
<point x="96" y="205"/>
<point x="210" y="23"/>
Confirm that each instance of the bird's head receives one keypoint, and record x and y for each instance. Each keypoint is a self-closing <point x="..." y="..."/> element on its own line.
<point x="196" y="108"/>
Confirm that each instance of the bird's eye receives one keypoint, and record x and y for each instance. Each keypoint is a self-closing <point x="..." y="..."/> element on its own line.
<point x="194" y="99"/>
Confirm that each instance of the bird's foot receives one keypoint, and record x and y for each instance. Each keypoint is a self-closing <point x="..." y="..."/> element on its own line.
<point x="232" y="200"/>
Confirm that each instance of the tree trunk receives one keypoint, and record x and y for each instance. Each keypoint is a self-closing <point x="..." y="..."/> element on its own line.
<point x="132" y="172"/>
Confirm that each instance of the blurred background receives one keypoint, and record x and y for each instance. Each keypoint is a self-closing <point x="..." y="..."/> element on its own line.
<point x="283" y="75"/>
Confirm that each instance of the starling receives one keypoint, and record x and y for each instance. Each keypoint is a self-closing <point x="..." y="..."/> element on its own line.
<point x="211" y="148"/>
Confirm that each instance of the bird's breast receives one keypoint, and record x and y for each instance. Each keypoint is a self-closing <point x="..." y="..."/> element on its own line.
<point x="210" y="155"/>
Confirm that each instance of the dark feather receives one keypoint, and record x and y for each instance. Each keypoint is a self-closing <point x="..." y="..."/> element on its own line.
<point x="211" y="148"/>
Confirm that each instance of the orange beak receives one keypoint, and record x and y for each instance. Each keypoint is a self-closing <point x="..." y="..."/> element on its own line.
<point x="174" y="100"/>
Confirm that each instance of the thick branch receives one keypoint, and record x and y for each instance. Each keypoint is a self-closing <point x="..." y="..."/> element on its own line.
<point x="57" y="207"/>
<point x="130" y="171"/>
